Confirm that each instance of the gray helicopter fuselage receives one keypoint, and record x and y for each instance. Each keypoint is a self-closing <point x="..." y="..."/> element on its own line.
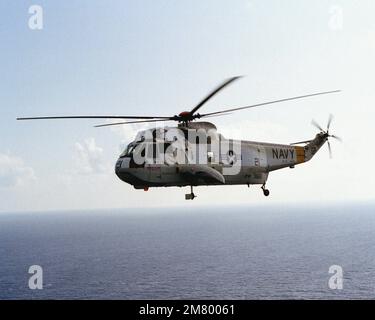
<point x="241" y="163"/>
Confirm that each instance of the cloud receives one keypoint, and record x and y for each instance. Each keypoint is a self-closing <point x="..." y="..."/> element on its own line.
<point x="14" y="173"/>
<point x="249" y="4"/>
<point x="89" y="158"/>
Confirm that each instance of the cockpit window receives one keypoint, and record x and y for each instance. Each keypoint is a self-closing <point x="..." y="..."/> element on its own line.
<point x="155" y="149"/>
<point x="128" y="151"/>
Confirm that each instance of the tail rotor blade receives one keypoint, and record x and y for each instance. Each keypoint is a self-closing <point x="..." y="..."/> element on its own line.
<point x="329" y="150"/>
<point x="316" y="125"/>
<point x="329" y="121"/>
<point x="336" y="137"/>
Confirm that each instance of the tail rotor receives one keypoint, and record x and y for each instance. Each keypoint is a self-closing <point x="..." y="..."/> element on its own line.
<point x="326" y="133"/>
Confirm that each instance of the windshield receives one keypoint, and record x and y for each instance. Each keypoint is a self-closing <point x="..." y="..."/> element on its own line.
<point x="129" y="149"/>
<point x="155" y="149"/>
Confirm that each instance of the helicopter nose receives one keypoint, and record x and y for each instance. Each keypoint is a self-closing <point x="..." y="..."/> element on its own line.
<point x="118" y="165"/>
<point x="122" y="169"/>
<point x="122" y="164"/>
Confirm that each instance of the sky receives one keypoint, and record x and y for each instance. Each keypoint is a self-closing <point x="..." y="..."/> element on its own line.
<point x="160" y="58"/>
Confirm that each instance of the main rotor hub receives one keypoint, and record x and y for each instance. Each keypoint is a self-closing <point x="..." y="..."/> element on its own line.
<point x="184" y="114"/>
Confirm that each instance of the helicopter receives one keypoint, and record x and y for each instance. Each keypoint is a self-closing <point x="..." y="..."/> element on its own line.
<point x="194" y="153"/>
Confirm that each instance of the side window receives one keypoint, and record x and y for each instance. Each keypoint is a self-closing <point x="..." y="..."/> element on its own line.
<point x="154" y="150"/>
<point x="167" y="149"/>
<point x="210" y="157"/>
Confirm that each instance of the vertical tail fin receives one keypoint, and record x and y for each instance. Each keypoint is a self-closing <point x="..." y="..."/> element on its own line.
<point x="313" y="147"/>
<point x="307" y="152"/>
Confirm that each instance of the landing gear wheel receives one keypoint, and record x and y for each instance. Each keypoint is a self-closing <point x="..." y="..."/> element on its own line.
<point x="266" y="192"/>
<point x="191" y="195"/>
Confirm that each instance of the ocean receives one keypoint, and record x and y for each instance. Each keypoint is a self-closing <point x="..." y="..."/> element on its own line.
<point x="190" y="253"/>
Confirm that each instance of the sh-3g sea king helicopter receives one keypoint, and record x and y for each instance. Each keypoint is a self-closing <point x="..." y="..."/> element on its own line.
<point x="195" y="154"/>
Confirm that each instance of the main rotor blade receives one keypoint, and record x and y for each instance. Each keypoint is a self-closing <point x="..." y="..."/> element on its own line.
<point x="144" y="121"/>
<point x="316" y="125"/>
<point x="271" y="102"/>
<point x="214" y="92"/>
<point x="295" y="143"/>
<point x="129" y="122"/>
<point x="217" y="115"/>
<point x="92" y="117"/>
<point x="329" y="121"/>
